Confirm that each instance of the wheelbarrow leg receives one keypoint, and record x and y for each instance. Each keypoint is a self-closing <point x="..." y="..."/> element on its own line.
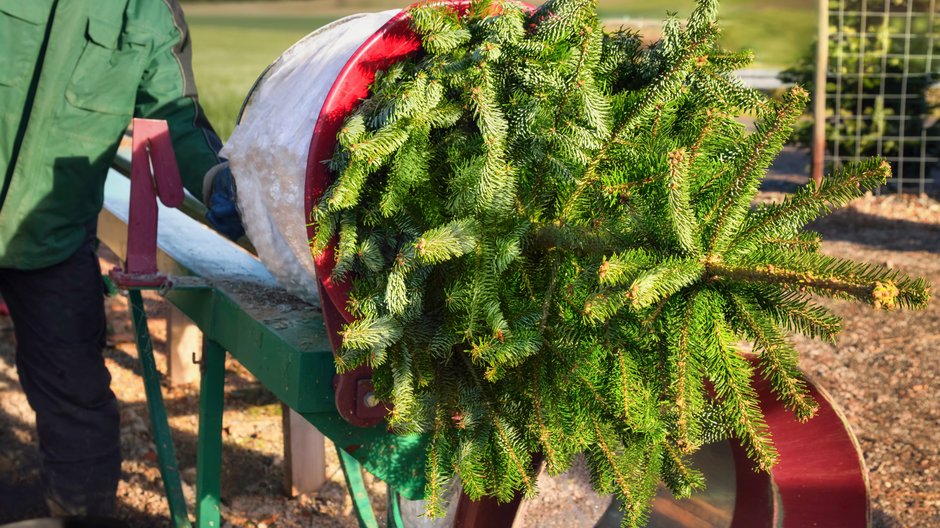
<point x="352" y="470"/>
<point x="209" y="450"/>
<point x="394" y="509"/>
<point x="393" y="515"/>
<point x="162" y="437"/>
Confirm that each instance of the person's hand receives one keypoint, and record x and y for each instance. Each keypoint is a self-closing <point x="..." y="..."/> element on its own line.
<point x="219" y="197"/>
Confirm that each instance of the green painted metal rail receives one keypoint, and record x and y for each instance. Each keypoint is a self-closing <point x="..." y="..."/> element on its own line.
<point x="166" y="452"/>
<point x="281" y="340"/>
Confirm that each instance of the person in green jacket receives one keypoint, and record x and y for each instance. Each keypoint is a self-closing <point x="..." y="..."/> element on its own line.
<point x="72" y="74"/>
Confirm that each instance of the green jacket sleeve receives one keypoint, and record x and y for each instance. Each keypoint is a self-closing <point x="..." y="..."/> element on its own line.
<point x="168" y="91"/>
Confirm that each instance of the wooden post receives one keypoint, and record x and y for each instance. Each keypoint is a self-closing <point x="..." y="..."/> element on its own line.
<point x="304" y="456"/>
<point x="819" y="104"/>
<point x="184" y="339"/>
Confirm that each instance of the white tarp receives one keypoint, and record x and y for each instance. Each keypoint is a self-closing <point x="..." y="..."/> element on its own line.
<point x="268" y="150"/>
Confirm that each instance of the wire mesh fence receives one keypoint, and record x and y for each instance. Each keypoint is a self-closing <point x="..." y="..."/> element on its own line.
<point x="883" y="63"/>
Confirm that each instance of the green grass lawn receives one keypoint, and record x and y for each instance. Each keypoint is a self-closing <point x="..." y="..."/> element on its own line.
<point x="233" y="43"/>
<point x="778" y="31"/>
<point x="229" y="56"/>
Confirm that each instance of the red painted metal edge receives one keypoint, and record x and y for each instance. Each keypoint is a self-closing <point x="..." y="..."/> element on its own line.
<point x="754" y="497"/>
<point x="393" y="42"/>
<point x="349" y="397"/>
<point x="486" y="512"/>
<point x="820" y="479"/>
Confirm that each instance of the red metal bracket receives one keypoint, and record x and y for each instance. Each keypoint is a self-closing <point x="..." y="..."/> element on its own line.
<point x="154" y="174"/>
<point x="355" y="399"/>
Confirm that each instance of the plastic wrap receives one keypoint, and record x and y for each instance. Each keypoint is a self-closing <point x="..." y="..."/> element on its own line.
<point x="268" y="150"/>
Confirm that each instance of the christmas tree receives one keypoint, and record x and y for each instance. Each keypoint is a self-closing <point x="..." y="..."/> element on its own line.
<point x="553" y="251"/>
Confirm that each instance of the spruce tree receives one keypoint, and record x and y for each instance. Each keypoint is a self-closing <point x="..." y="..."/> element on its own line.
<point x="553" y="251"/>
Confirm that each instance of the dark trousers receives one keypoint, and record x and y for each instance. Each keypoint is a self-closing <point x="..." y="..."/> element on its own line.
<point x="59" y="322"/>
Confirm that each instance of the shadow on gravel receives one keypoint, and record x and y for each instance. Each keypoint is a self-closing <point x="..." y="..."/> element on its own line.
<point x="880" y="519"/>
<point x="21" y="490"/>
<point x="790" y="171"/>
<point x="21" y="494"/>
<point x="875" y="231"/>
<point x="236" y="478"/>
<point x="791" y="168"/>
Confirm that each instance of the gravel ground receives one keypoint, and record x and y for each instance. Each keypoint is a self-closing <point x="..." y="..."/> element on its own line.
<point x="884" y="372"/>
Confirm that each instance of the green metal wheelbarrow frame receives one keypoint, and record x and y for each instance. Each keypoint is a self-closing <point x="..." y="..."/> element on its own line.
<point x="286" y="349"/>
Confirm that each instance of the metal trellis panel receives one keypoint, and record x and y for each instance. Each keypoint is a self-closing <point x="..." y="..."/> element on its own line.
<point x="883" y="58"/>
